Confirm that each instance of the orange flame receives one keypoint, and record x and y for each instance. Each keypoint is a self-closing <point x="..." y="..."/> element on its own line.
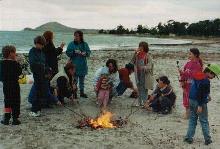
<point x="103" y="121"/>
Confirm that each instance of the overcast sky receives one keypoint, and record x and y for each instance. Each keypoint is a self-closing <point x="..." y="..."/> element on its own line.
<point x="107" y="14"/>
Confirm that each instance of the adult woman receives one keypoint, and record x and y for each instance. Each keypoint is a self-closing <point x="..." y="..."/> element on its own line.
<point x="52" y="53"/>
<point x="193" y="66"/>
<point x="78" y="51"/>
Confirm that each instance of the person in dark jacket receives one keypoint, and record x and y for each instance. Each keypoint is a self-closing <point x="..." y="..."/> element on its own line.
<point x="125" y="81"/>
<point x="199" y="97"/>
<point x="78" y="51"/>
<point x="163" y="97"/>
<point x="11" y="70"/>
<point x="38" y="66"/>
<point x="50" y="98"/>
<point x="51" y="52"/>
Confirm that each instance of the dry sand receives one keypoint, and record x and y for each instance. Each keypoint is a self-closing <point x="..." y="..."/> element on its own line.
<point x="55" y="129"/>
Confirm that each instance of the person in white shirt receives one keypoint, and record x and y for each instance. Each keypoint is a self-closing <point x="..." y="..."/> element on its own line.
<point x="111" y="68"/>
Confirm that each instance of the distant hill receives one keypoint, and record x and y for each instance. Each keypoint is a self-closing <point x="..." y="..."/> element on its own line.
<point x="57" y="27"/>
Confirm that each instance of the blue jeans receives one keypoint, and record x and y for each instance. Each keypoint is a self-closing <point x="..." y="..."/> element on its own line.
<point x="143" y="93"/>
<point x="81" y="80"/>
<point x="193" y="117"/>
<point x="121" y="88"/>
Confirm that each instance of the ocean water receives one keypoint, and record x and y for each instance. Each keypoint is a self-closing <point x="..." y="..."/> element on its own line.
<point x="23" y="40"/>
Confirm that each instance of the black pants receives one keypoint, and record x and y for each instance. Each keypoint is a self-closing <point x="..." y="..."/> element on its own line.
<point x="41" y="89"/>
<point x="12" y="108"/>
<point x="162" y="104"/>
<point x="166" y="105"/>
<point x="12" y="99"/>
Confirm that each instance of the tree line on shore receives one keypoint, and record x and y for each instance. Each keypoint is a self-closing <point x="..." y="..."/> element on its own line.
<point x="200" y="28"/>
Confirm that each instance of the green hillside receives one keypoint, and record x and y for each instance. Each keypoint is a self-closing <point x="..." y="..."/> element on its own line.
<point x="57" y="27"/>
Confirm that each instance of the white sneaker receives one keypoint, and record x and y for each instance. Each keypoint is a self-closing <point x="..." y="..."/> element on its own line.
<point x="97" y="103"/>
<point x="34" y="114"/>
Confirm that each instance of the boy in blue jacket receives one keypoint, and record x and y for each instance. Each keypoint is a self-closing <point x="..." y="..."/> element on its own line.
<point x="38" y="67"/>
<point x="199" y="97"/>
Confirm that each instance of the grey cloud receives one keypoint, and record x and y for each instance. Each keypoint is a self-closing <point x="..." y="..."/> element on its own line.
<point x="103" y="13"/>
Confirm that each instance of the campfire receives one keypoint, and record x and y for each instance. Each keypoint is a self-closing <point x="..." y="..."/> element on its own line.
<point x="105" y="120"/>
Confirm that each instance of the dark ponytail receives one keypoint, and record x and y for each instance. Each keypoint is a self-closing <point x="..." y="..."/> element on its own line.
<point x="196" y="52"/>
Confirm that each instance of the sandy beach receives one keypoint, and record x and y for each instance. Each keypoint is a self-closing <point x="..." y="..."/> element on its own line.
<point x="56" y="128"/>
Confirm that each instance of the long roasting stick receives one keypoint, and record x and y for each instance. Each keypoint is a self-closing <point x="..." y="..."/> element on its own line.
<point x="82" y="116"/>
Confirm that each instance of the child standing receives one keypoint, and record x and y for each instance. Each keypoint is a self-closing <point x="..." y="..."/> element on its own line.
<point x="37" y="65"/>
<point x="103" y="90"/>
<point x="11" y="70"/>
<point x="191" y="67"/>
<point x="199" y="97"/>
<point x="143" y="71"/>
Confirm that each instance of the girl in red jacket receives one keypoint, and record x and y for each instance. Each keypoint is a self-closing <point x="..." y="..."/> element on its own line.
<point x="193" y="66"/>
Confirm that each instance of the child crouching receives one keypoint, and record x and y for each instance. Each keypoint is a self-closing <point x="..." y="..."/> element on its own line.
<point x="163" y="97"/>
<point x="11" y="70"/>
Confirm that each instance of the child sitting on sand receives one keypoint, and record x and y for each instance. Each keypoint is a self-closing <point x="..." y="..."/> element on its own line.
<point x="103" y="90"/>
<point x="199" y="97"/>
<point x="10" y="72"/>
<point x="163" y="98"/>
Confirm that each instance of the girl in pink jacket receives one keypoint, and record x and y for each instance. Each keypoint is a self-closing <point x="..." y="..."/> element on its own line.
<point x="193" y="66"/>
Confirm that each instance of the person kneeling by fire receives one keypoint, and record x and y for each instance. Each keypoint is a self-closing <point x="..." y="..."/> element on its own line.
<point x="64" y="84"/>
<point x="163" y="97"/>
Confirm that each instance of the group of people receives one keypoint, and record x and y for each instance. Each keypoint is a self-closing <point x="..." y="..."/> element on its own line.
<point x="52" y="85"/>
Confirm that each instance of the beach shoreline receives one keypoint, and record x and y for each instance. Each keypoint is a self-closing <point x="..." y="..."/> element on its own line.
<point x="56" y="128"/>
